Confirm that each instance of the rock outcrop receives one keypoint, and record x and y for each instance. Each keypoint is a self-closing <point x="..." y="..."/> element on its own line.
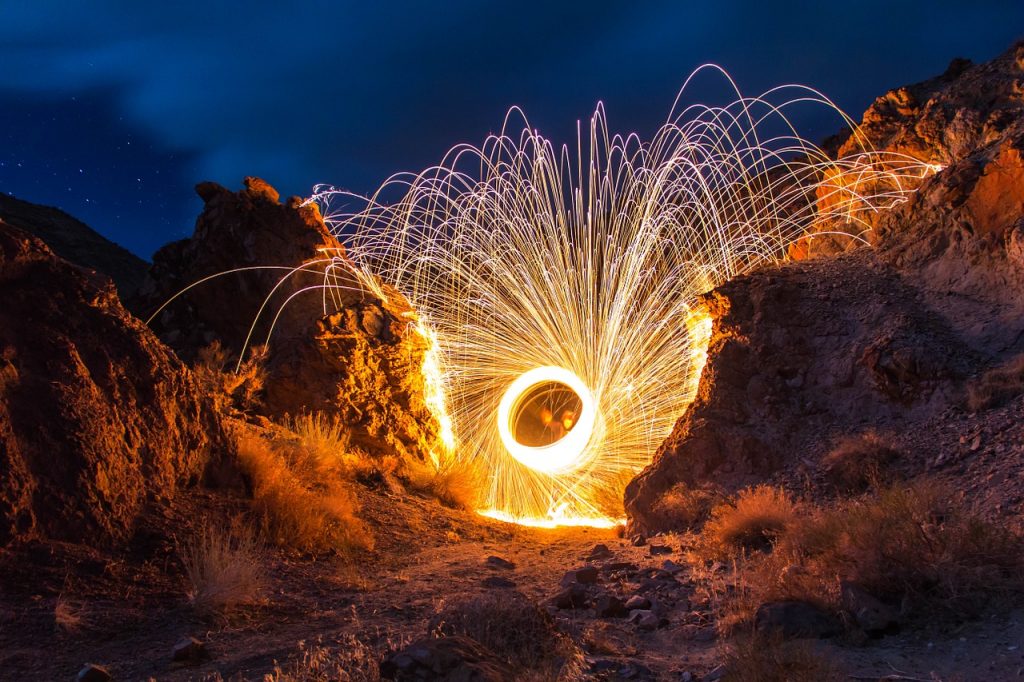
<point x="338" y="342"/>
<point x="98" y="419"/>
<point x="75" y="241"/>
<point x="882" y="338"/>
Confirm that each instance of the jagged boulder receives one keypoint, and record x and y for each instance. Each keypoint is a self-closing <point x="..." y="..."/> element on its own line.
<point x="98" y="419"/>
<point x="805" y="354"/>
<point x="338" y="342"/>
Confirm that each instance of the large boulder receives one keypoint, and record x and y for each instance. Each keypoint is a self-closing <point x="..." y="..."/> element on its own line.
<point x="339" y="341"/>
<point x="884" y="339"/>
<point x="98" y="419"/>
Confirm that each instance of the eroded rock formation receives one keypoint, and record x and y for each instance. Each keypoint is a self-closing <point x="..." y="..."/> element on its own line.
<point x="98" y="419"/>
<point x="351" y="348"/>
<point x="882" y="338"/>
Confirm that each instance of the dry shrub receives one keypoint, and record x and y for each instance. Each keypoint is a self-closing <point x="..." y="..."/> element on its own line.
<point x="295" y="503"/>
<point x="683" y="507"/>
<point x="230" y="386"/>
<point x="516" y="630"/>
<point x="857" y="462"/>
<point x="454" y="482"/>
<point x="764" y="659"/>
<point x="908" y="546"/>
<point x="751" y="522"/>
<point x="223" y="567"/>
<point x="913" y="546"/>
<point x="350" y="661"/>
<point x="68" y="616"/>
<point x="997" y="386"/>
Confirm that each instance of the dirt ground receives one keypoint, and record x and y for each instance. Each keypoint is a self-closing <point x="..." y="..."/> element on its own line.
<point x="132" y="609"/>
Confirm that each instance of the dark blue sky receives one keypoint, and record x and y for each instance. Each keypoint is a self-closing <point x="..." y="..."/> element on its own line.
<point x="114" y="109"/>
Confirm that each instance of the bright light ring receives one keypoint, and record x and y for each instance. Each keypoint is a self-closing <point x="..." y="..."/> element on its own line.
<point x="568" y="452"/>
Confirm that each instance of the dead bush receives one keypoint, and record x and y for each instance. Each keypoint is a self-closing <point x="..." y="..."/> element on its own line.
<point x="516" y="630"/>
<point x="909" y="546"/>
<point x="350" y="661"/>
<point x="68" y="616"/>
<point x="762" y="659"/>
<point x="454" y="482"/>
<point x="295" y="505"/>
<point x="223" y="568"/>
<point x="912" y="545"/>
<point x="751" y="522"/>
<point x="997" y="386"/>
<point x="858" y="462"/>
<point x="683" y="507"/>
<point x="238" y="387"/>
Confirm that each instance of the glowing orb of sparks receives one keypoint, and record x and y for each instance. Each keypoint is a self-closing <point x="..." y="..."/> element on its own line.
<point x="566" y="427"/>
<point x="562" y="288"/>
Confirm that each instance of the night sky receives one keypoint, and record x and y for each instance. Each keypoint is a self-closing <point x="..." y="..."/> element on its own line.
<point x="113" y="109"/>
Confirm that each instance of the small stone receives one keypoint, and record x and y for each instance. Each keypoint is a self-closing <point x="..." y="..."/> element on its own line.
<point x="638" y="540"/>
<point x="600" y="551"/>
<point x="586" y="575"/>
<point x="573" y="597"/>
<point x="644" y="619"/>
<point x="638" y="603"/>
<point x="672" y="567"/>
<point x="656" y="550"/>
<point x="610" y="606"/>
<point x="497" y="581"/>
<point x="498" y="562"/>
<point x="686" y="676"/>
<point x="618" y="566"/>
<point x="93" y="673"/>
<point x="189" y="650"/>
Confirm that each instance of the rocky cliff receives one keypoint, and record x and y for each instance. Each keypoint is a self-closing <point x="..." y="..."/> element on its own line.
<point x="338" y="343"/>
<point x="886" y="338"/>
<point x="98" y="419"/>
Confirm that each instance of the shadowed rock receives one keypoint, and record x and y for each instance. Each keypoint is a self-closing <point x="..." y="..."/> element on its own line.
<point x="98" y="419"/>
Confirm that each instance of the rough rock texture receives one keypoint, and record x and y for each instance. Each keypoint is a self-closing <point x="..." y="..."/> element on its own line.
<point x="98" y="419"/>
<point x="882" y="338"/>
<point x="77" y="242"/>
<point x="352" y="349"/>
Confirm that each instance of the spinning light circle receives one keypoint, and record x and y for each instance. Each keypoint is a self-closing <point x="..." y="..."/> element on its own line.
<point x="546" y="420"/>
<point x="575" y="277"/>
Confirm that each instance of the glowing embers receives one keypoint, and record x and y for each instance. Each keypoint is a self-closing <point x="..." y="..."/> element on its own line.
<point x="546" y="419"/>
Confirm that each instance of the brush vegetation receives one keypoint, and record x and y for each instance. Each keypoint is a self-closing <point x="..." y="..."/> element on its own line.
<point x="223" y="568"/>
<point x="910" y="546"/>
<point x="997" y="386"/>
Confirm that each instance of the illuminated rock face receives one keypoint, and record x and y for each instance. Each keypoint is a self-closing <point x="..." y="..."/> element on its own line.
<point x="352" y="351"/>
<point x="880" y="338"/>
<point x="98" y="419"/>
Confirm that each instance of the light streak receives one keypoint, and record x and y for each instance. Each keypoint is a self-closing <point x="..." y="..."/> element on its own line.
<point x="528" y="263"/>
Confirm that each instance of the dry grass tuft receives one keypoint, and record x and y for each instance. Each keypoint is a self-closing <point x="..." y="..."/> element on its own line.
<point x="684" y="508"/>
<point x="516" y="630"/>
<point x="914" y="546"/>
<point x="224" y="568"/>
<point x="68" y="616"/>
<point x="751" y="522"/>
<point x="760" y="659"/>
<point x="298" y="501"/>
<point x="997" y="386"/>
<point x="859" y="462"/>
<point x="242" y="389"/>
<point x="454" y="483"/>
<point x="350" y="661"/>
<point x="909" y="546"/>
